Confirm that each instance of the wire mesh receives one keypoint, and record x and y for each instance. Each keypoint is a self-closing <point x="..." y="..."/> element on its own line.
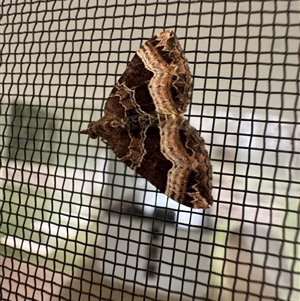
<point x="76" y="224"/>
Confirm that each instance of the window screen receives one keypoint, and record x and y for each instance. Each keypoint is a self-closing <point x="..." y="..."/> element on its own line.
<point x="76" y="224"/>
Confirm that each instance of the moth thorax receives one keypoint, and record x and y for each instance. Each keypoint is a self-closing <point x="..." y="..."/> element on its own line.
<point x="117" y="123"/>
<point x="108" y="122"/>
<point x="142" y="121"/>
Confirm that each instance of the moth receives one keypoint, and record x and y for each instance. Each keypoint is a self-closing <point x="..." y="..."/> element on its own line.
<point x="144" y="123"/>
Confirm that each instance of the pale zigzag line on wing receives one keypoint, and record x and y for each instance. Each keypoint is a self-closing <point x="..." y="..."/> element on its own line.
<point x="160" y="84"/>
<point x="174" y="151"/>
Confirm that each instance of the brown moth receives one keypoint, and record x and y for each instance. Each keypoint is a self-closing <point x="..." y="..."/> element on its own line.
<point x="144" y="124"/>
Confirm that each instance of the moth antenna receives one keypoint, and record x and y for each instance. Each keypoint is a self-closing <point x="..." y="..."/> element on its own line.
<point x="87" y="132"/>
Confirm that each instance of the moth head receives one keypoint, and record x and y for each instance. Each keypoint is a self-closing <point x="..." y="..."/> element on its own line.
<point x="91" y="130"/>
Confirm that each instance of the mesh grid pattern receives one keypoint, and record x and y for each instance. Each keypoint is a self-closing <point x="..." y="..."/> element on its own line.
<point x="76" y="224"/>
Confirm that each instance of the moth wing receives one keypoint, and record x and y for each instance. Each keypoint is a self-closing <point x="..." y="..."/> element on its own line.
<point x="176" y="162"/>
<point x="157" y="79"/>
